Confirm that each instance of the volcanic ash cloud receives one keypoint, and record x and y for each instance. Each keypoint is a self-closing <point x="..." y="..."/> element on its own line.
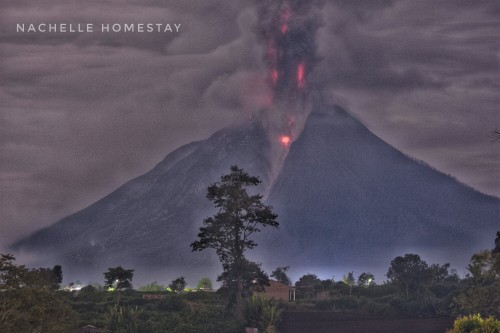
<point x="287" y="30"/>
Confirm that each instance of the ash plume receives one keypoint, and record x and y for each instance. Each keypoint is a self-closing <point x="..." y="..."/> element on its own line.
<point x="287" y="30"/>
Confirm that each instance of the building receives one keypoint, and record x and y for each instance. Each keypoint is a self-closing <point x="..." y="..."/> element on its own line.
<point x="279" y="291"/>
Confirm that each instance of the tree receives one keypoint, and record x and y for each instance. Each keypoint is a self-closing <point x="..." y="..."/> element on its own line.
<point x="280" y="275"/>
<point x="251" y="277"/>
<point x="118" y="278"/>
<point x="204" y="283"/>
<point x="483" y="288"/>
<point x="482" y="267"/>
<point x="366" y="280"/>
<point x="11" y="275"/>
<point x="496" y="249"/>
<point x="239" y="216"/>
<point x="57" y="270"/>
<point x="178" y="284"/>
<point x="349" y="281"/>
<point x="409" y="272"/>
<point x="308" y="280"/>
<point x="28" y="302"/>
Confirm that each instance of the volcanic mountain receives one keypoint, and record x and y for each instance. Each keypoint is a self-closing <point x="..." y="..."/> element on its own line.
<point x="344" y="197"/>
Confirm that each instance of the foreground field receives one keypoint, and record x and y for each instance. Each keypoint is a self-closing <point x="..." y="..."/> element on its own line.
<point x="334" y="322"/>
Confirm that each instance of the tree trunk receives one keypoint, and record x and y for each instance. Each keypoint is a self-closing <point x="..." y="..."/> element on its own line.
<point x="238" y="311"/>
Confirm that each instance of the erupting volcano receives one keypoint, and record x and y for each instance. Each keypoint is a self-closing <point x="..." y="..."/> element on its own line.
<point x="341" y="193"/>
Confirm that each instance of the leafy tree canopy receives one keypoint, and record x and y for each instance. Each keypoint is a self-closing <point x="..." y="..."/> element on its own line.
<point x="409" y="271"/>
<point x="308" y="280"/>
<point x="204" y="283"/>
<point x="118" y="278"/>
<point x="280" y="275"/>
<point x="366" y="280"/>
<point x="178" y="284"/>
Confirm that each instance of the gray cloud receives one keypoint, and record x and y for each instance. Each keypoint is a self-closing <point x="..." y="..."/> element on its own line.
<point x="83" y="113"/>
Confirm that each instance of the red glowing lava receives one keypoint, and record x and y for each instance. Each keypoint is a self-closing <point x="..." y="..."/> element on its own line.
<point x="300" y="75"/>
<point x="285" y="15"/>
<point x="284" y="28"/>
<point x="274" y="76"/>
<point x="285" y="140"/>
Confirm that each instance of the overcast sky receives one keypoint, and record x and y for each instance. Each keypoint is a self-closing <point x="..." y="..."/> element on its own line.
<point x="81" y="113"/>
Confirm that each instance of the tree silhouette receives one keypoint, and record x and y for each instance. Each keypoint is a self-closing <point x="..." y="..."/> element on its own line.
<point x="280" y="275"/>
<point x="239" y="216"/>
<point x="118" y="278"/>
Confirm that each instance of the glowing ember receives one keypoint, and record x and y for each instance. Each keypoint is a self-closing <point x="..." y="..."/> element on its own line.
<point x="285" y="140"/>
<point x="285" y="15"/>
<point x="284" y="28"/>
<point x="300" y="75"/>
<point x="274" y="76"/>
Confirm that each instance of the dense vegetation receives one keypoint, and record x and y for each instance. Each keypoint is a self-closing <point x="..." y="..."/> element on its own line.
<point x="32" y="300"/>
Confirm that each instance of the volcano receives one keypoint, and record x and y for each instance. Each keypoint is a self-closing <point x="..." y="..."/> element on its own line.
<point x="344" y="198"/>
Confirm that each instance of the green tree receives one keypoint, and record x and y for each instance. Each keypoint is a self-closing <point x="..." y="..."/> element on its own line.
<point x="496" y="249"/>
<point x="28" y="302"/>
<point x="229" y="231"/>
<point x="307" y="286"/>
<point x="57" y="270"/>
<point x="204" y="283"/>
<point x="481" y="299"/>
<point x="178" y="284"/>
<point x="349" y="281"/>
<point x="280" y="275"/>
<point x="251" y="277"/>
<point x="483" y="285"/>
<point x="118" y="278"/>
<point x="308" y="280"/>
<point x="11" y="275"/>
<point x="410" y="272"/>
<point x="482" y="267"/>
<point x="366" y="280"/>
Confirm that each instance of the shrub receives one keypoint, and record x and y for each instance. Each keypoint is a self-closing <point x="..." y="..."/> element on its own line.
<point x="475" y="324"/>
<point x="262" y="313"/>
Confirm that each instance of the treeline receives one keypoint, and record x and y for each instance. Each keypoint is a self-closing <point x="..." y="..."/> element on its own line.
<point x="33" y="299"/>
<point x="413" y="288"/>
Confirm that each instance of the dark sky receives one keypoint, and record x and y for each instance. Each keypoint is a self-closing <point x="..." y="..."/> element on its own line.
<point x="80" y="114"/>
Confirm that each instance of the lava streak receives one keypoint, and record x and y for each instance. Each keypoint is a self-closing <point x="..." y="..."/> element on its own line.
<point x="285" y="140"/>
<point x="286" y="13"/>
<point x="300" y="76"/>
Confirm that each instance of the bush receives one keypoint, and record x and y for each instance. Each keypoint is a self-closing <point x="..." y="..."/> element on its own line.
<point x="475" y="324"/>
<point x="262" y="313"/>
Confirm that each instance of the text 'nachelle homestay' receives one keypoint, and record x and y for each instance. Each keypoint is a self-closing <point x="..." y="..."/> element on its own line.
<point x="103" y="27"/>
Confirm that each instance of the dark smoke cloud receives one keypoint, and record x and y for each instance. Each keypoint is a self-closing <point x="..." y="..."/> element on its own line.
<point x="288" y="30"/>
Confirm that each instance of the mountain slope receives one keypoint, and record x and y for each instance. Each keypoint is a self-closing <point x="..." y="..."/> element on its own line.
<point x="344" y="196"/>
<point x="152" y="219"/>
